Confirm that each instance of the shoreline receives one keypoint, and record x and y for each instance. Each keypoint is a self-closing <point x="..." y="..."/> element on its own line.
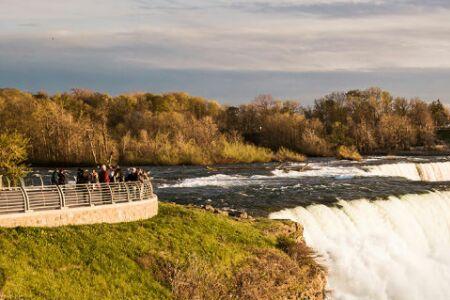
<point x="387" y="154"/>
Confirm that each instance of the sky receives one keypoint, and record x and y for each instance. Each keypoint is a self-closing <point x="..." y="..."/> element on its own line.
<point x="228" y="50"/>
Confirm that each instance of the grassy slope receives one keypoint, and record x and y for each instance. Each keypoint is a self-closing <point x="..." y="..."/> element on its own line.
<point x="101" y="261"/>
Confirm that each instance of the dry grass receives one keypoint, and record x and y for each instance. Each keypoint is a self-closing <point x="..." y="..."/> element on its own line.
<point x="270" y="274"/>
<point x="288" y="272"/>
<point x="239" y="152"/>
<point x="284" y="155"/>
<point x="349" y="153"/>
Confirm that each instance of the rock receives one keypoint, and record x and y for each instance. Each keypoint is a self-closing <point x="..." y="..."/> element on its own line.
<point x="243" y="215"/>
<point x="238" y="214"/>
<point x="209" y="208"/>
<point x="223" y="212"/>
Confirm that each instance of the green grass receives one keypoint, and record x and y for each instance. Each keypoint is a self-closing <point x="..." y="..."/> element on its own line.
<point x="102" y="261"/>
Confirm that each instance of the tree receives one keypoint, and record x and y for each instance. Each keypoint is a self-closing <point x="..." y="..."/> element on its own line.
<point x="13" y="153"/>
<point x="440" y="113"/>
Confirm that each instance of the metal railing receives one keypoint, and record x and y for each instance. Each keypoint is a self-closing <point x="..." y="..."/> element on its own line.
<point x="47" y="197"/>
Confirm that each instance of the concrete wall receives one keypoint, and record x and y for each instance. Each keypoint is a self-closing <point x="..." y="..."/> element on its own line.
<point x="115" y="213"/>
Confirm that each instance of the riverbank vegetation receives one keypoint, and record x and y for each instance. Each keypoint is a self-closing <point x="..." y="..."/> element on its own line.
<point x="85" y="127"/>
<point x="13" y="154"/>
<point x="183" y="253"/>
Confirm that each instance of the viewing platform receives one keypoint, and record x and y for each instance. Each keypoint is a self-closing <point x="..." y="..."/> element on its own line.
<point x="76" y="204"/>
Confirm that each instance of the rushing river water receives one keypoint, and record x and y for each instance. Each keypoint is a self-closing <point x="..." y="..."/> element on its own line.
<point x="381" y="226"/>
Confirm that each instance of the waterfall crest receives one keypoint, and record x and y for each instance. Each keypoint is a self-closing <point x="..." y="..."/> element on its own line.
<point x="437" y="171"/>
<point x="387" y="249"/>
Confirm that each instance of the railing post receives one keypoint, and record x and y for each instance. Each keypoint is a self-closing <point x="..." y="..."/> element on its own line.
<point x="128" y="192"/>
<point x="149" y="183"/>
<point x="111" y="192"/>
<point x="26" y="199"/>
<point x="141" y="191"/>
<point x="62" y="198"/>
<point x="8" y="181"/>
<point x="1" y="181"/>
<point x="42" y="181"/>
<point x="89" y="195"/>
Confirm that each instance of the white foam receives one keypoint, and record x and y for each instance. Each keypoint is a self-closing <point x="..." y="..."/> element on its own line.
<point x="406" y="170"/>
<point x="437" y="171"/>
<point x="392" y="249"/>
<point x="324" y="170"/>
<point x="317" y="170"/>
<point x="214" y="180"/>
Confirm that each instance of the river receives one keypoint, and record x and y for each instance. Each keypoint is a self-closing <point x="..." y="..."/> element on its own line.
<point x="381" y="226"/>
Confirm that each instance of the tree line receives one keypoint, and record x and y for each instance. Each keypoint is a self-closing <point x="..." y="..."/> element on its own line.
<point x="87" y="127"/>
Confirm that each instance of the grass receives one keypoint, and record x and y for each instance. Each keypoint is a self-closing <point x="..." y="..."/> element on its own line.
<point x="239" y="152"/>
<point x="183" y="253"/>
<point x="349" y="153"/>
<point x="286" y="155"/>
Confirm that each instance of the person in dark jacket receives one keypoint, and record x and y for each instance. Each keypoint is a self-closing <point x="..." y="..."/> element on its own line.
<point x="80" y="173"/>
<point x="83" y="176"/>
<point x="133" y="175"/>
<point x="112" y="174"/>
<point x="55" y="177"/>
<point x="61" y="177"/>
<point x="119" y="177"/>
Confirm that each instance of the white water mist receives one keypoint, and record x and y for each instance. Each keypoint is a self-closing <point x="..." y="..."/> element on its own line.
<point x="388" y="249"/>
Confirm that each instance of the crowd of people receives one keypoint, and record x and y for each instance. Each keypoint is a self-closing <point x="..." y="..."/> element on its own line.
<point x="102" y="174"/>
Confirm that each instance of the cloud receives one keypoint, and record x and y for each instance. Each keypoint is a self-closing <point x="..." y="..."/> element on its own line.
<point x="294" y="45"/>
<point x="290" y="36"/>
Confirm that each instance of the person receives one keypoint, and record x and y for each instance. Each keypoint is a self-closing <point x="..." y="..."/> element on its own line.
<point x="86" y="176"/>
<point x="55" y="177"/>
<point x="61" y="177"/>
<point x="103" y="175"/>
<point x="142" y="176"/>
<point x="82" y="176"/>
<point x="119" y="175"/>
<point x="80" y="173"/>
<point x="94" y="176"/>
<point x="111" y="174"/>
<point x="133" y="175"/>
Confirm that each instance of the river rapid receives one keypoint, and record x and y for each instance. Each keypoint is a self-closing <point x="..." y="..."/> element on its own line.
<point x="381" y="226"/>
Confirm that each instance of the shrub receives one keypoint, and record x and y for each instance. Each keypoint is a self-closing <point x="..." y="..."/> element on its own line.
<point x="266" y="274"/>
<point x="314" y="145"/>
<point x="350" y="153"/>
<point x="270" y="274"/>
<point x="284" y="155"/>
<point x="239" y="152"/>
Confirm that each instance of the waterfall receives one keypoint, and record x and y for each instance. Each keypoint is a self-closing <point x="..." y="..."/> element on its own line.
<point x="388" y="249"/>
<point x="437" y="171"/>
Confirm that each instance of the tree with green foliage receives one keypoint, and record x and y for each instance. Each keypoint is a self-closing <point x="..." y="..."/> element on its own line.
<point x="13" y="153"/>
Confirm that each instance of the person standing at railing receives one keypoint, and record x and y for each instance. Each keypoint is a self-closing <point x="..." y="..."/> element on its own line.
<point x="83" y="176"/>
<point x="94" y="177"/>
<point x="104" y="175"/>
<point x="142" y="175"/>
<point x="118" y="175"/>
<point x="133" y="175"/>
<point x="55" y="177"/>
<point x="112" y="174"/>
<point x="61" y="177"/>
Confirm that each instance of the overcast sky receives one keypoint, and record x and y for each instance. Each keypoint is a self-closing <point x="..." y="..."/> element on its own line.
<point x="227" y="50"/>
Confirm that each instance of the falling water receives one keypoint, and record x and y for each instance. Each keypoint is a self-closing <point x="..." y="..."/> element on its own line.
<point x="435" y="171"/>
<point x="387" y="249"/>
